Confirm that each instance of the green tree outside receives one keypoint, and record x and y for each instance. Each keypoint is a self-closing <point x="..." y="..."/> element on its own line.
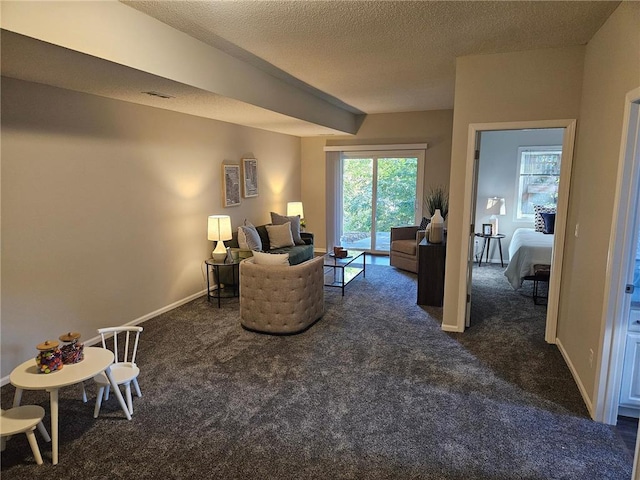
<point x="395" y="200"/>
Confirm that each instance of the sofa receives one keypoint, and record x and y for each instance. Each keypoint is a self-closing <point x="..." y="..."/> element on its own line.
<point x="281" y="299"/>
<point x="297" y="253"/>
<point x="404" y="247"/>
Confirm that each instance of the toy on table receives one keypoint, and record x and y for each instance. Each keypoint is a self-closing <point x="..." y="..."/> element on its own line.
<point x="73" y="351"/>
<point x="50" y="358"/>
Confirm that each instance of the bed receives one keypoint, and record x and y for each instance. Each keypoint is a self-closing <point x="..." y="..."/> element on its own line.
<point x="527" y="248"/>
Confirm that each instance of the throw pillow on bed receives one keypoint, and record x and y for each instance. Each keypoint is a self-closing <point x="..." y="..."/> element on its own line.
<point x="549" y="222"/>
<point x="248" y="238"/>
<point x="280" y="236"/>
<point x="261" y="258"/>
<point x="539" y="222"/>
<point x="278" y="219"/>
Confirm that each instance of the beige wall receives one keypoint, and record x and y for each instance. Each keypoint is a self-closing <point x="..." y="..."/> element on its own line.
<point x="433" y="127"/>
<point x="612" y="68"/>
<point x="520" y="86"/>
<point x="105" y="205"/>
<point x="588" y="83"/>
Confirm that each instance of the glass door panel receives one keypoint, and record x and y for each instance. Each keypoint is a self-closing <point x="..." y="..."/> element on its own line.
<point x="357" y="191"/>
<point x="378" y="192"/>
<point x="395" y="199"/>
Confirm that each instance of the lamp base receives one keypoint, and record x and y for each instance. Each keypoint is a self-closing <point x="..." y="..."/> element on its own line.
<point x="218" y="257"/>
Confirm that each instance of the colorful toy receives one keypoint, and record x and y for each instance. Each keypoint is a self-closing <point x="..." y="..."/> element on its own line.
<point x="72" y="352"/>
<point x="50" y="358"/>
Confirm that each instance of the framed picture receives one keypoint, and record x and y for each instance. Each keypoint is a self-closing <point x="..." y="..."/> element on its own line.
<point x="231" y="185"/>
<point x="487" y="229"/>
<point x="250" y="177"/>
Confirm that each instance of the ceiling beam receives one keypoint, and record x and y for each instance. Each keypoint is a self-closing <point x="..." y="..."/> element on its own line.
<point x="115" y="32"/>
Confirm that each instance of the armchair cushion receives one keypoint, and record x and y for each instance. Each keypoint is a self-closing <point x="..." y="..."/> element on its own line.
<point x="404" y="246"/>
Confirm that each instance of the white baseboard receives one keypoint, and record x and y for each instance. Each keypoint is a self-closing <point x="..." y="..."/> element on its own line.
<point x="576" y="378"/>
<point x="450" y="328"/>
<point x="92" y="341"/>
<point x="629" y="412"/>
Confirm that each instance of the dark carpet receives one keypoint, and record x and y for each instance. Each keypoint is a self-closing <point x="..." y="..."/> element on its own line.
<point x="374" y="390"/>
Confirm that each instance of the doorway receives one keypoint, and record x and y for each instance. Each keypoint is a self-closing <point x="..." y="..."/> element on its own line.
<point x="467" y="250"/>
<point x="518" y="171"/>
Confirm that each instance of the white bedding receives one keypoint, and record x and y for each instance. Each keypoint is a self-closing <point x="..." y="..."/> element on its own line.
<point x="526" y="249"/>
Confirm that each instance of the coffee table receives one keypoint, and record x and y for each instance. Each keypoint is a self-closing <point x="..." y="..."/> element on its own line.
<point x="339" y="272"/>
<point x="26" y="377"/>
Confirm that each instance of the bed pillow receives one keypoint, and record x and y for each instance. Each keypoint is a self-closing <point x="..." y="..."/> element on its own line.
<point x="549" y="222"/>
<point x="278" y="219"/>
<point x="280" y="236"/>
<point x="248" y="238"/>
<point x="539" y="222"/>
<point x="261" y="258"/>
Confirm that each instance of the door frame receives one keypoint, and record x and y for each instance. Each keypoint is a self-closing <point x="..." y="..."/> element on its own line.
<point x="613" y="332"/>
<point x="569" y="126"/>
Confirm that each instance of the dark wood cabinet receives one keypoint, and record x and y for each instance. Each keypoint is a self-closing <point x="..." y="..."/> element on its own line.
<point x="431" y="259"/>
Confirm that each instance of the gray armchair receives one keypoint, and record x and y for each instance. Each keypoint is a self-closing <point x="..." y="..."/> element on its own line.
<point x="404" y="247"/>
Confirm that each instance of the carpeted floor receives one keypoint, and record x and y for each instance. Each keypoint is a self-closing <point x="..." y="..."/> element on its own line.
<point x="374" y="390"/>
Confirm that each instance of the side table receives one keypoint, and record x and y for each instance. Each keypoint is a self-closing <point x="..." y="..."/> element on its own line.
<point x="214" y="268"/>
<point x="431" y="263"/>
<point x="487" y="244"/>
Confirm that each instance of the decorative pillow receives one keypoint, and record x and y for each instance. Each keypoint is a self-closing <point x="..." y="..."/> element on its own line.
<point x="261" y="258"/>
<point x="423" y="224"/>
<point x="539" y="222"/>
<point x="280" y="236"/>
<point x="277" y="219"/>
<point x="549" y="222"/>
<point x="248" y="238"/>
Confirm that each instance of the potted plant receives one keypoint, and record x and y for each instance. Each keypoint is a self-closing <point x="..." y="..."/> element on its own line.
<point x="437" y="198"/>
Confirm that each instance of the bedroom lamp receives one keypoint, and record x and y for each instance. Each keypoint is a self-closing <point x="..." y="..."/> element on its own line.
<point x="495" y="206"/>
<point x="295" y="208"/>
<point x="219" y="230"/>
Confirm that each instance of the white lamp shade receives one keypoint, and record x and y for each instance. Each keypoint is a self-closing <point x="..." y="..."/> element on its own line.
<point x="295" y="208"/>
<point x="219" y="227"/>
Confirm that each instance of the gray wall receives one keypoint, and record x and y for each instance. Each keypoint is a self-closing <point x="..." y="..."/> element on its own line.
<point x="498" y="175"/>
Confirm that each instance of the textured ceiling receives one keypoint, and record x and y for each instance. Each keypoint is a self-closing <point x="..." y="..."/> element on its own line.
<point x="379" y="56"/>
<point x="362" y="56"/>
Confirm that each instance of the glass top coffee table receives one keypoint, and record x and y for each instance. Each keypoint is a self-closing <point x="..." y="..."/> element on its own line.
<point x="339" y="272"/>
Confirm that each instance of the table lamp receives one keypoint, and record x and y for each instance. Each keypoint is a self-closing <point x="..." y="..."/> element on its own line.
<point x="295" y="208"/>
<point x="495" y="206"/>
<point x="219" y="230"/>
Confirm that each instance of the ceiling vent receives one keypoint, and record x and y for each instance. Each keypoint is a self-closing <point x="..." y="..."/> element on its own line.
<point x="159" y="94"/>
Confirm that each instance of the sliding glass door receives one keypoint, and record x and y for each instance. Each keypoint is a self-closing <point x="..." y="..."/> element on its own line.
<point x="379" y="191"/>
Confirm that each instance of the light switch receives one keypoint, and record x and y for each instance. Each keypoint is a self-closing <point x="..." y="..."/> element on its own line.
<point x="577" y="225"/>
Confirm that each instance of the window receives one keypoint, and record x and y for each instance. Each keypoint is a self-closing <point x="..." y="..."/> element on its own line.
<point x="538" y="179"/>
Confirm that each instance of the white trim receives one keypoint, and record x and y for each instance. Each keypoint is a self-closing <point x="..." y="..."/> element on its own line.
<point x="611" y="354"/>
<point x="576" y="377"/>
<point x="560" y="229"/>
<point x="561" y="217"/>
<point x="451" y="328"/>
<point x="376" y="148"/>
<point x="92" y="341"/>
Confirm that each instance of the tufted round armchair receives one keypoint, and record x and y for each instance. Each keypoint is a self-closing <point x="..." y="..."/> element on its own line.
<point x="281" y="298"/>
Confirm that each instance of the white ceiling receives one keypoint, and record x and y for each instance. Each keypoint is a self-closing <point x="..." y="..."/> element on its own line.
<point x="362" y="56"/>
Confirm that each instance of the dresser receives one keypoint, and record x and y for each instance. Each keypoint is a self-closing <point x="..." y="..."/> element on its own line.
<point x="431" y="258"/>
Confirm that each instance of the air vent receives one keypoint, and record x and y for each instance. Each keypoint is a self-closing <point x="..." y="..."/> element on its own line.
<point x="159" y="94"/>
